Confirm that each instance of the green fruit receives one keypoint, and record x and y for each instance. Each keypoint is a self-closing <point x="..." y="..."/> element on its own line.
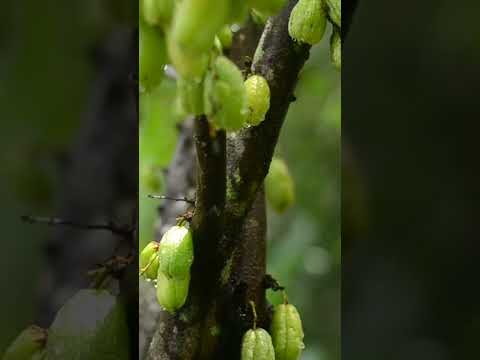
<point x="307" y="21"/>
<point x="190" y="64"/>
<point x="336" y="49"/>
<point x="172" y="292"/>
<point x="91" y="325"/>
<point x="226" y="37"/>
<point x="267" y="7"/>
<point x="196" y="22"/>
<point x="335" y="11"/>
<point x="225" y="95"/>
<point x="238" y="12"/>
<point x="258" y="99"/>
<point x="176" y="252"/>
<point x="152" y="56"/>
<point x="257" y="345"/>
<point x="157" y="12"/>
<point x="190" y="93"/>
<point x="259" y="17"/>
<point x="279" y="186"/>
<point x="287" y="333"/>
<point x="176" y="258"/>
<point x="148" y="262"/>
<point x="29" y="343"/>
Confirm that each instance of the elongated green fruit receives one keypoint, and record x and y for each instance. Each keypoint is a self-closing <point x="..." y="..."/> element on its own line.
<point x="225" y="95"/>
<point x="152" y="56"/>
<point x="157" y="12"/>
<point x="307" y="22"/>
<point x="190" y="64"/>
<point x="279" y="186"/>
<point x="287" y="333"/>
<point x="335" y="11"/>
<point x="336" y="49"/>
<point x="268" y="7"/>
<point x="176" y="252"/>
<point x="176" y="258"/>
<point x="257" y="345"/>
<point x="238" y="11"/>
<point x="190" y="93"/>
<point x="30" y="342"/>
<point x="258" y="99"/>
<point x="172" y="292"/>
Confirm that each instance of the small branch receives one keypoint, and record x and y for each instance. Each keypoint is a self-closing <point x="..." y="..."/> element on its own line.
<point x="52" y="221"/>
<point x="164" y="197"/>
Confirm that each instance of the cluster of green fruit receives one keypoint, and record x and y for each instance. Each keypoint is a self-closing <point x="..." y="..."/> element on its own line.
<point x="168" y="263"/>
<point x="192" y="35"/>
<point x="284" y="342"/>
<point x="90" y="325"/>
<point x="308" y="22"/>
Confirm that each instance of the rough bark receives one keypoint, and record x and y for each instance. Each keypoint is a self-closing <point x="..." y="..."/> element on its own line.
<point x="229" y="222"/>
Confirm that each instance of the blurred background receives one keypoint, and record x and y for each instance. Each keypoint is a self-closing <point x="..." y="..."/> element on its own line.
<point x="304" y="243"/>
<point x="64" y="116"/>
<point x="410" y="181"/>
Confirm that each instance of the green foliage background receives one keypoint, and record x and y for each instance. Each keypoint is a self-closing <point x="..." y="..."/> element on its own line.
<point x="304" y="243"/>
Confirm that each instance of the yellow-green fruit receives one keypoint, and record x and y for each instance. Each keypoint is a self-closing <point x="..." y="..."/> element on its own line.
<point x="268" y="7"/>
<point x="287" y="333"/>
<point x="257" y="345"/>
<point x="225" y="95"/>
<point x="307" y="22"/>
<point x="172" y="292"/>
<point x="176" y="258"/>
<point x="190" y="64"/>
<point x="190" y="93"/>
<point x="258" y="99"/>
<point x="152" y="56"/>
<point x="336" y="49"/>
<point x="226" y="37"/>
<point x="145" y="255"/>
<point x="279" y="186"/>
<point x="335" y="11"/>
<point x="30" y="342"/>
<point x="157" y="12"/>
<point x="196" y="22"/>
<point x="259" y="17"/>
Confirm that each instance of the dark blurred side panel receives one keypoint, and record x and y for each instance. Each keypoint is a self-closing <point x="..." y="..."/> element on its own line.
<point x="68" y="150"/>
<point x="410" y="183"/>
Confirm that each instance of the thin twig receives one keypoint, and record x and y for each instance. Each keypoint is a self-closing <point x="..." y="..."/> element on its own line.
<point x="164" y="197"/>
<point x="52" y="221"/>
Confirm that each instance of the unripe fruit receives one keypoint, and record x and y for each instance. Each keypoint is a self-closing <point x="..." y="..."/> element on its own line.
<point x="190" y="93"/>
<point x="225" y="36"/>
<point x="148" y="261"/>
<point x="257" y="345"/>
<point x="336" y="49"/>
<point x="176" y="258"/>
<point x="91" y="325"/>
<point x="307" y="22"/>
<point x="191" y="37"/>
<point x="335" y="11"/>
<point x="152" y="56"/>
<point x="176" y="252"/>
<point x="287" y="333"/>
<point x="157" y="12"/>
<point x="188" y="63"/>
<point x="279" y="186"/>
<point x="172" y="292"/>
<point x="225" y="95"/>
<point x="238" y="11"/>
<point x="30" y="342"/>
<point x="268" y="7"/>
<point x="258" y="99"/>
